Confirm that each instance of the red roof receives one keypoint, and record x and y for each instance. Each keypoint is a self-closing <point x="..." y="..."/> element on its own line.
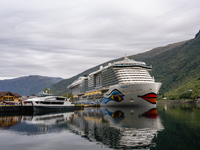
<point x="4" y="93"/>
<point x="17" y="95"/>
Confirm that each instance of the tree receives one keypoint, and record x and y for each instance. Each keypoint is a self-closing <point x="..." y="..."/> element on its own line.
<point x="68" y="95"/>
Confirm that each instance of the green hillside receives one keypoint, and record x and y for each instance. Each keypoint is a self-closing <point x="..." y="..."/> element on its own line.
<point x="178" y="69"/>
<point x="186" y="90"/>
<point x="176" y="65"/>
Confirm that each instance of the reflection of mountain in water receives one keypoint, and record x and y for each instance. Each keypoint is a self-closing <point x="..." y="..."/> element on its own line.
<point x="117" y="127"/>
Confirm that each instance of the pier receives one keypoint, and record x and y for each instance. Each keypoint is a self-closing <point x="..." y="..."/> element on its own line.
<point x="8" y="108"/>
<point x="29" y="109"/>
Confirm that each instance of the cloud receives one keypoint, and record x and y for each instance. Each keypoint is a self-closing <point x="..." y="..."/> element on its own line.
<point x="63" y="38"/>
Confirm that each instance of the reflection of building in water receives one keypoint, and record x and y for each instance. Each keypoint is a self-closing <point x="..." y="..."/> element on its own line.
<point x="8" y="121"/>
<point x="117" y="127"/>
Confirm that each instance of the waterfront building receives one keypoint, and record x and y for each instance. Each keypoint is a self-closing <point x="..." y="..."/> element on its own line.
<point x="10" y="97"/>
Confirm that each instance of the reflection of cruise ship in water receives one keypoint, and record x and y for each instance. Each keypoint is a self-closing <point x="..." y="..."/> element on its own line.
<point x="118" y="127"/>
<point x="122" y="83"/>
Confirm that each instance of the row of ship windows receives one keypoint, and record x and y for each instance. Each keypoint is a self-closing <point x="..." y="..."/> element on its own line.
<point x="108" y="74"/>
<point x="128" y="67"/>
<point x="108" y="77"/>
<point x="126" y="82"/>
<point x="129" y="64"/>
<point x="105" y="79"/>
<point x="112" y="80"/>
<point x="108" y="80"/>
<point x="131" y="70"/>
<point x="142" y="75"/>
<point x="124" y="73"/>
<point x="133" y="75"/>
<point x="134" y="80"/>
<point x="107" y="70"/>
<point x="110" y="83"/>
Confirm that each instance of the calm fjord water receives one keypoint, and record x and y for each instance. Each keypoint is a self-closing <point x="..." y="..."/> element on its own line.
<point x="169" y="126"/>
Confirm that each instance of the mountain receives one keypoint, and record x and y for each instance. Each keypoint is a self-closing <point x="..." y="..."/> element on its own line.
<point x="27" y="85"/>
<point x="176" y="66"/>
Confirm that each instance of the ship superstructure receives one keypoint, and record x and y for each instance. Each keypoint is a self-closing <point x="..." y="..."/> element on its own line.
<point x="114" y="83"/>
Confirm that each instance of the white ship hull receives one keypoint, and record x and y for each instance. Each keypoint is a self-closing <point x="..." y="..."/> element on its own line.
<point x="50" y="103"/>
<point x="49" y="107"/>
<point x="143" y="94"/>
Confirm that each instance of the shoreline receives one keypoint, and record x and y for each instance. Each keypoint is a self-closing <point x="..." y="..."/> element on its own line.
<point x="178" y="101"/>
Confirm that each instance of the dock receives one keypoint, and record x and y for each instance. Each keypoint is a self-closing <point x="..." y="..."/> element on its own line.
<point x="29" y="109"/>
<point x="8" y="108"/>
<point x="91" y="105"/>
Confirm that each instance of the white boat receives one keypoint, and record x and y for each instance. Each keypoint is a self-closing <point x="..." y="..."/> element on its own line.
<point x="50" y="103"/>
<point x="121" y="83"/>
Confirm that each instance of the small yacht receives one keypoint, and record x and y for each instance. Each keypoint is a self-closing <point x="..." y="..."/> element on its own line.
<point x="50" y="103"/>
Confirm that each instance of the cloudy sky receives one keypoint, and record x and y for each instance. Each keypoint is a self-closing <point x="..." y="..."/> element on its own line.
<point x="61" y="38"/>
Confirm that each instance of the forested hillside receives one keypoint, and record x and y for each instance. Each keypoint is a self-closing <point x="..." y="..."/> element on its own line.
<point x="179" y="70"/>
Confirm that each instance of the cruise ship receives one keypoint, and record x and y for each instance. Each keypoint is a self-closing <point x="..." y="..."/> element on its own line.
<point x="121" y="83"/>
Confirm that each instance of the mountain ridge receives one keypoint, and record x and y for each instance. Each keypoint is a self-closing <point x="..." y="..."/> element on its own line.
<point x="28" y="85"/>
